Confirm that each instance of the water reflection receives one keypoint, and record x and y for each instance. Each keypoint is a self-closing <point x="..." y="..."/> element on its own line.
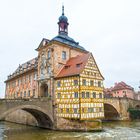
<point x="112" y="131"/>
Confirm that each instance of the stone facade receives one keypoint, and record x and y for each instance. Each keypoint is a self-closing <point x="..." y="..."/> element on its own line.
<point x="21" y="117"/>
<point x="137" y="95"/>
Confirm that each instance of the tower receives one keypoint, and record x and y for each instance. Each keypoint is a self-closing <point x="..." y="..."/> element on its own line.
<point x="63" y="23"/>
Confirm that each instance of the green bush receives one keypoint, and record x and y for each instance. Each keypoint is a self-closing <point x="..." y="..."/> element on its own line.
<point x="134" y="113"/>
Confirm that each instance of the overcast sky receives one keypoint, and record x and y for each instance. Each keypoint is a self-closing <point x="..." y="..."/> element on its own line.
<point x="110" y="29"/>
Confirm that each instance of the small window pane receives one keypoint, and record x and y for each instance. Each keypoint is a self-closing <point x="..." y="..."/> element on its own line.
<point x="94" y="94"/>
<point x="83" y="94"/>
<point x="75" y="82"/>
<point x="99" y="83"/>
<point x="49" y="54"/>
<point x="84" y="82"/>
<point x="91" y="83"/>
<point x="63" y="55"/>
<point x="58" y="95"/>
<point x="58" y="84"/>
<point x="76" y="95"/>
<point x="100" y="95"/>
<point x="87" y="94"/>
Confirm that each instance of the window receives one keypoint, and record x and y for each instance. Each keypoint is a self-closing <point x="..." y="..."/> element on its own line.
<point x="58" y="95"/>
<point x="83" y="110"/>
<point x="21" y="81"/>
<point x="94" y="94"/>
<point x="49" y="54"/>
<point x="33" y="92"/>
<point x="67" y="66"/>
<point x="49" y="70"/>
<point x="91" y="83"/>
<point x="124" y="91"/>
<point x="67" y="110"/>
<point x="29" y="93"/>
<point x="100" y="109"/>
<point x="24" y="93"/>
<point x="87" y="94"/>
<point x="84" y="82"/>
<point x="63" y="55"/>
<point x="78" y="65"/>
<point x="75" y="82"/>
<point x="95" y="83"/>
<point x="20" y="94"/>
<point x="100" y="95"/>
<point x="61" y="110"/>
<point x="99" y="83"/>
<point x="29" y="78"/>
<point x="35" y="75"/>
<point x="83" y="94"/>
<point x="75" y="110"/>
<point x="90" y="110"/>
<point x="25" y="79"/>
<point x="18" y="82"/>
<point x="58" y="83"/>
<point x="76" y="95"/>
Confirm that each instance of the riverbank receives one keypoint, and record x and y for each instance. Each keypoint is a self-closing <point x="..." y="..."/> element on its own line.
<point x="112" y="131"/>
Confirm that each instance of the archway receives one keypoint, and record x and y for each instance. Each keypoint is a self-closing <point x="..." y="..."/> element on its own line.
<point x="110" y="112"/>
<point x="43" y="119"/>
<point x="137" y="107"/>
<point x="44" y="90"/>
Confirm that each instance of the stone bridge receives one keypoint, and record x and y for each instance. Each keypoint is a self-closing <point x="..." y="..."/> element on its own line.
<point x="41" y="109"/>
<point x="117" y="108"/>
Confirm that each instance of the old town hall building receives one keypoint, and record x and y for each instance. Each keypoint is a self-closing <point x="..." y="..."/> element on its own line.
<point x="63" y="71"/>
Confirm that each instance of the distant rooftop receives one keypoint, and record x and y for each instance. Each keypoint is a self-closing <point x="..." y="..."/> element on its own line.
<point x="121" y="85"/>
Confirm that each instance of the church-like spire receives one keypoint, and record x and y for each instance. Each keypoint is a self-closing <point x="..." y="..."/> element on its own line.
<point x="63" y="23"/>
<point x="63" y="10"/>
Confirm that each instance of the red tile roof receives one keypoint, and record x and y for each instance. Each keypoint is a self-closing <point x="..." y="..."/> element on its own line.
<point x="121" y="85"/>
<point x="74" y="66"/>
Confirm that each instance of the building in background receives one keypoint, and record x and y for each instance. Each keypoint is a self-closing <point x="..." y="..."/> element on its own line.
<point x="23" y="82"/>
<point x="63" y="71"/>
<point x="120" y="89"/>
<point x="137" y="95"/>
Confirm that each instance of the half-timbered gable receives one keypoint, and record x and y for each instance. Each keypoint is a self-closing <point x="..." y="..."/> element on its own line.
<point x="77" y="95"/>
<point x="91" y="90"/>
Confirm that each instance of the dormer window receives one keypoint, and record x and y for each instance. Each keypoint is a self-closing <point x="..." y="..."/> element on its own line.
<point x="67" y="66"/>
<point x="63" y="55"/>
<point x="78" y="65"/>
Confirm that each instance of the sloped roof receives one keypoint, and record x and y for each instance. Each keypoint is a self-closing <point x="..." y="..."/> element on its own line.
<point x="29" y="65"/>
<point x="65" y="39"/>
<point x="121" y="85"/>
<point x="42" y="43"/>
<point x="74" y="66"/>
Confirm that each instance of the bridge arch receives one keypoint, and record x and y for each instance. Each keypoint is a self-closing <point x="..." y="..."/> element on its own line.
<point x="137" y="106"/>
<point x="111" y="113"/>
<point x="44" y="119"/>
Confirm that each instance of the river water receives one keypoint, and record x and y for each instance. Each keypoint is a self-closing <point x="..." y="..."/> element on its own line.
<point x="112" y="131"/>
